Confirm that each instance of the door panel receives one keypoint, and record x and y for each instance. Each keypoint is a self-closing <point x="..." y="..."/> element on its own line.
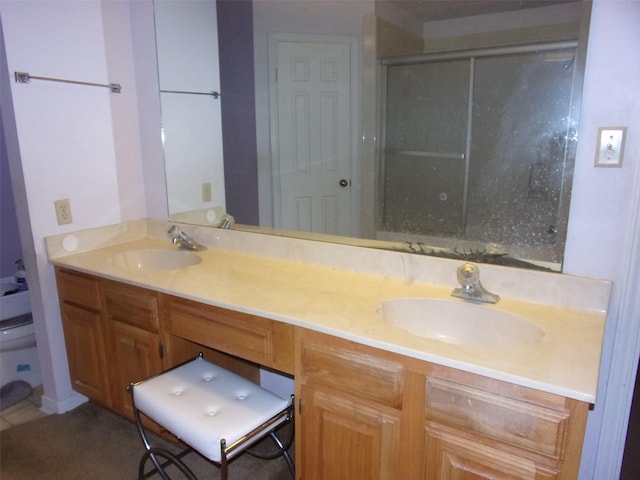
<point x="314" y="138"/>
<point x="345" y="439"/>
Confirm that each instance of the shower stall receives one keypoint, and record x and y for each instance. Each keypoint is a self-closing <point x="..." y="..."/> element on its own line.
<point x="478" y="148"/>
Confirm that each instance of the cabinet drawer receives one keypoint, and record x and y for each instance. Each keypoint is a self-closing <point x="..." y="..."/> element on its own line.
<point x="353" y="368"/>
<point x="132" y="305"/>
<point x="78" y="289"/>
<point x="456" y="456"/>
<point x="525" y="425"/>
<point x="252" y="338"/>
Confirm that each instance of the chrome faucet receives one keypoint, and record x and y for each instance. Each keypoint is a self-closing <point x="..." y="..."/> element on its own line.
<point x="178" y="237"/>
<point x="472" y="289"/>
<point x="227" y="221"/>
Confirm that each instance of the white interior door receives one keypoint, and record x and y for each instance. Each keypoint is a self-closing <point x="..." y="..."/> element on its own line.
<point x="313" y="143"/>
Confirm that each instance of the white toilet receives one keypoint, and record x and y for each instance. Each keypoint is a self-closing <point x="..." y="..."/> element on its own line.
<point x="18" y="352"/>
<point x="17" y="333"/>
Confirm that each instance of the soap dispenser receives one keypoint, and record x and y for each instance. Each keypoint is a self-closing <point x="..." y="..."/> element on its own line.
<point x="21" y="276"/>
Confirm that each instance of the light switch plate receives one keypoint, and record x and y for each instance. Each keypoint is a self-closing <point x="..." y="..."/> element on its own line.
<point x="610" y="149"/>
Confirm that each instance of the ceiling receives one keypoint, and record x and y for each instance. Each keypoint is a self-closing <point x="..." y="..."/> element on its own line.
<point x="429" y="10"/>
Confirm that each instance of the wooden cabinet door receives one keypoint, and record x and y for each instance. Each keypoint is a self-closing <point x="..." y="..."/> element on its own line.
<point x="343" y="438"/>
<point x="137" y="355"/>
<point x="85" y="342"/>
<point x="452" y="455"/>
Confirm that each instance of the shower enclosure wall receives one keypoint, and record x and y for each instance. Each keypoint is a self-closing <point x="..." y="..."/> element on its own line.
<point x="477" y="149"/>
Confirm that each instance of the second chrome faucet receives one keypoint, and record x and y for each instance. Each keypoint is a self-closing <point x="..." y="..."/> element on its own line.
<point x="471" y="288"/>
<point x="184" y="241"/>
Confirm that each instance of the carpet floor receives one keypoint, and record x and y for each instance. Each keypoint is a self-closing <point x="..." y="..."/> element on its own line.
<point x="91" y="442"/>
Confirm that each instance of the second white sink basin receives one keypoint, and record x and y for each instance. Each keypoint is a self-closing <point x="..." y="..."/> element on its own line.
<point x="155" y="259"/>
<point x="460" y="322"/>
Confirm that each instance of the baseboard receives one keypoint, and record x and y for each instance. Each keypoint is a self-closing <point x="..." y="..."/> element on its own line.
<point x="51" y="406"/>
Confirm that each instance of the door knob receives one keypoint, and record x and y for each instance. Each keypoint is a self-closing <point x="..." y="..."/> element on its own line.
<point x="343" y="183"/>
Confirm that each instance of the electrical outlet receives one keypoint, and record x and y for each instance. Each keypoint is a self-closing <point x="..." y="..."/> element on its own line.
<point x="206" y="192"/>
<point x="63" y="211"/>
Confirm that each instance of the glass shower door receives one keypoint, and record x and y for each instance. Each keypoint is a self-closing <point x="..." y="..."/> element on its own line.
<point x="521" y="138"/>
<point x="480" y="148"/>
<point x="426" y="117"/>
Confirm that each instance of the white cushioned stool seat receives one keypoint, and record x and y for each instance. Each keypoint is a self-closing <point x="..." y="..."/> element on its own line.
<point x="201" y="403"/>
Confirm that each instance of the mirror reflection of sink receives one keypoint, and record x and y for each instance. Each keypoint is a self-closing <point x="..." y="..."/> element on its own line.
<point x="460" y="322"/>
<point x="155" y="259"/>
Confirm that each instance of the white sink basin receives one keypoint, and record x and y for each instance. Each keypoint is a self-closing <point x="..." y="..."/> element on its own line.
<point x="155" y="259"/>
<point x="460" y="322"/>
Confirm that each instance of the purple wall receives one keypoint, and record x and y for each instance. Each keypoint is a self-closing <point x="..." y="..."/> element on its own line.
<point x="10" y="249"/>
<point x="235" y="33"/>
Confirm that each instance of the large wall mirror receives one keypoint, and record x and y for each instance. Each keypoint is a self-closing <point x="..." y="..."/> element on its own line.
<point x="440" y="127"/>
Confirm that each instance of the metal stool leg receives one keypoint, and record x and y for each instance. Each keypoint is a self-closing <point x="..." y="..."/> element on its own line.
<point x="285" y="452"/>
<point x="153" y="454"/>
<point x="283" y="448"/>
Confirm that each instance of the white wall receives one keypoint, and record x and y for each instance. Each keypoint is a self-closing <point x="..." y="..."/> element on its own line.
<point x="70" y="144"/>
<point x="71" y="141"/>
<point x="604" y="207"/>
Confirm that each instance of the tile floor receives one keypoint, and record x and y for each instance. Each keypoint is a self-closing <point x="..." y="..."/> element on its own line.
<point x="24" y="411"/>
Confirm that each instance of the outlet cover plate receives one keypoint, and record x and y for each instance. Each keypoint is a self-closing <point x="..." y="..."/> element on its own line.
<point x="63" y="211"/>
<point x="206" y="192"/>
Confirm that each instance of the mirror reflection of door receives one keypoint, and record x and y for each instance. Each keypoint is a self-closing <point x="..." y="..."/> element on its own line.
<point x="312" y="139"/>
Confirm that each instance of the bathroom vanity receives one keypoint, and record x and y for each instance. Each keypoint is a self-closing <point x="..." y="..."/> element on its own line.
<point x="373" y="401"/>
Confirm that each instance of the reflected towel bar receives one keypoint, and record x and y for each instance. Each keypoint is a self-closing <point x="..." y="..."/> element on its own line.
<point x="24" y="77"/>
<point x="213" y="94"/>
<point x="415" y="153"/>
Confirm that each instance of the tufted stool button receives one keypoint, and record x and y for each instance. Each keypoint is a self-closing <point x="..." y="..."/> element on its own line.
<point x="213" y="411"/>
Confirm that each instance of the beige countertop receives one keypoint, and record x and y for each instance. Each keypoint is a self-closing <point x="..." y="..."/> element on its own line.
<point x="346" y="303"/>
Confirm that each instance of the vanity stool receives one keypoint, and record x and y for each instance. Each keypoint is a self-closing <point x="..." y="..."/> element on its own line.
<point x="213" y="411"/>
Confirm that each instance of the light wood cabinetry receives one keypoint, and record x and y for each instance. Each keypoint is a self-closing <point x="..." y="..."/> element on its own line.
<point x="369" y="414"/>
<point x="112" y="334"/>
<point x="84" y="335"/>
<point x="362" y="413"/>
<point x="255" y="339"/>
<point x="133" y="320"/>
<point x="479" y="428"/>
<point x="356" y="408"/>
<point x="116" y="334"/>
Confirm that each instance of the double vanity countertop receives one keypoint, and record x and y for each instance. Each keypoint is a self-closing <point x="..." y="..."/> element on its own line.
<point x="285" y="279"/>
